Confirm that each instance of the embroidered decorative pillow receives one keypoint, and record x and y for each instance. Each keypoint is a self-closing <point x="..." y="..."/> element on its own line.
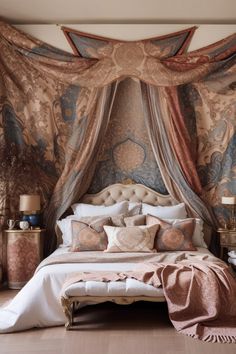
<point x="131" y="239"/>
<point x="198" y="234"/>
<point x="119" y="220"/>
<point x="177" y="237"/>
<point x="88" y="234"/>
<point x="135" y="220"/>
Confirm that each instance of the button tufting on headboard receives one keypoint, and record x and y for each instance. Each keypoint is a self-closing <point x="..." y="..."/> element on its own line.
<point x="133" y="193"/>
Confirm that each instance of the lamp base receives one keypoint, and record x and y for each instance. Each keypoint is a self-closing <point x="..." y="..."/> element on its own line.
<point x="33" y="219"/>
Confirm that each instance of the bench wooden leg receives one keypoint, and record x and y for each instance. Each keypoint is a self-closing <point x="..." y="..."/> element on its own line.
<point x="67" y="306"/>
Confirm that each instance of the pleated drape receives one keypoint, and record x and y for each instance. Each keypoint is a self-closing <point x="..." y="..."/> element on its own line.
<point x="158" y="117"/>
<point x="81" y="156"/>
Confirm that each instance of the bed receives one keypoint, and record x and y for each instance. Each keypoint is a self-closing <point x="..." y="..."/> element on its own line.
<point x="45" y="301"/>
<point x="122" y="293"/>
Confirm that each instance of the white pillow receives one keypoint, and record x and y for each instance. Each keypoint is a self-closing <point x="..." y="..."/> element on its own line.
<point x="134" y="204"/>
<point x="65" y="227"/>
<point x="232" y="254"/>
<point x="82" y="210"/>
<point x="165" y="212"/>
<point x="198" y="235"/>
<point x="232" y="261"/>
<point x="135" y="208"/>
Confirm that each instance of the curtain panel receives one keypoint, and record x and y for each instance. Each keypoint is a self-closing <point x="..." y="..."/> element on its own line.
<point x="55" y="109"/>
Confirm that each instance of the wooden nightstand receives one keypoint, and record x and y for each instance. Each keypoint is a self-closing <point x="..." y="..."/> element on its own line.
<point x="227" y="240"/>
<point x="24" y="251"/>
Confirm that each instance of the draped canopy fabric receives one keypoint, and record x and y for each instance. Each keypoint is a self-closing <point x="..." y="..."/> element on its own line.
<point x="55" y="111"/>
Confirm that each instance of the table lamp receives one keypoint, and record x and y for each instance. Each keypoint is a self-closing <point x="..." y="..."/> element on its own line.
<point x="30" y="207"/>
<point x="230" y="203"/>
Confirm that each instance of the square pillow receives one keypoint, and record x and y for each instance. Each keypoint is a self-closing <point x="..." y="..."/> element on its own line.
<point x="119" y="220"/>
<point x="177" y="237"/>
<point x="83" y="210"/>
<point x="131" y="239"/>
<point x="198" y="235"/>
<point x="135" y="220"/>
<point x="64" y="232"/>
<point x="88" y="234"/>
<point x="165" y="212"/>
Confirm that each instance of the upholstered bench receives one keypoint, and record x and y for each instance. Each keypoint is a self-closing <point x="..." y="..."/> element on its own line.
<point x="93" y="292"/>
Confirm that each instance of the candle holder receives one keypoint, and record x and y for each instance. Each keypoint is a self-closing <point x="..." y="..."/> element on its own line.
<point x="230" y="203"/>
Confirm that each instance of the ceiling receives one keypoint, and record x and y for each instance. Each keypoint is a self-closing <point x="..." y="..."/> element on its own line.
<point x="118" y="11"/>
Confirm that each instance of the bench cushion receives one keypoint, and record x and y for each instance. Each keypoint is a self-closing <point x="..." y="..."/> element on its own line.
<point x="128" y="287"/>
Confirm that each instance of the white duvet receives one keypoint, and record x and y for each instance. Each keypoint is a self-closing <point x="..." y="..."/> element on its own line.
<point x="38" y="302"/>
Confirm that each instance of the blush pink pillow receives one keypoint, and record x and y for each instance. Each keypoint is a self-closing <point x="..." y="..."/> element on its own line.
<point x="88" y="234"/>
<point x="177" y="237"/>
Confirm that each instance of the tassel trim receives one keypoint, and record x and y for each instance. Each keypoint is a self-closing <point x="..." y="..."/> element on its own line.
<point x="213" y="338"/>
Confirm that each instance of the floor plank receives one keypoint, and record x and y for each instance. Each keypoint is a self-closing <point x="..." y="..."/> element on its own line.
<point x="141" y="328"/>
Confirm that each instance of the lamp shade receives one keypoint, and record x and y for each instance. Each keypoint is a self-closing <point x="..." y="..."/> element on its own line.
<point x="228" y="200"/>
<point x="29" y="202"/>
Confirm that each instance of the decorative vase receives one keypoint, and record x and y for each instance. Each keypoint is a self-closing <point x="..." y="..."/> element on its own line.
<point x="33" y="219"/>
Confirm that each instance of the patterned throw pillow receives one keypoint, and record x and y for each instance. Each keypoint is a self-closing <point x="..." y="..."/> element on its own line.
<point x="119" y="220"/>
<point x="198" y="234"/>
<point x="177" y="237"/>
<point x="88" y="234"/>
<point x="135" y="220"/>
<point x="131" y="239"/>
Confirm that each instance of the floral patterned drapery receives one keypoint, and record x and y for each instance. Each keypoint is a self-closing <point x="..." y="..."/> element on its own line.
<point x="58" y="113"/>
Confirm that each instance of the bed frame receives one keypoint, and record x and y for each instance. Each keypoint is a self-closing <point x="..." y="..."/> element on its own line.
<point x="108" y="196"/>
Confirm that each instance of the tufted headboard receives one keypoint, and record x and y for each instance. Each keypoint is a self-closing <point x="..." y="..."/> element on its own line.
<point x="133" y="193"/>
<point x="130" y="192"/>
<point x="119" y="192"/>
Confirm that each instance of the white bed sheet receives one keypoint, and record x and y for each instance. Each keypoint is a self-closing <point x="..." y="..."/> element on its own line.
<point x="38" y="302"/>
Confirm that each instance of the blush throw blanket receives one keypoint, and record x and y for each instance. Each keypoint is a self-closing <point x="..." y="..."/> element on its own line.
<point x="201" y="296"/>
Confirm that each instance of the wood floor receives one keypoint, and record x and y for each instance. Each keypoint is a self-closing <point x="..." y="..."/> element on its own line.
<point x="141" y="328"/>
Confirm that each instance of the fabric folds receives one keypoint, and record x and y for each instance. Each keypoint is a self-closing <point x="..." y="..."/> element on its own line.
<point x="81" y="154"/>
<point x="55" y="108"/>
<point x="156" y="113"/>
